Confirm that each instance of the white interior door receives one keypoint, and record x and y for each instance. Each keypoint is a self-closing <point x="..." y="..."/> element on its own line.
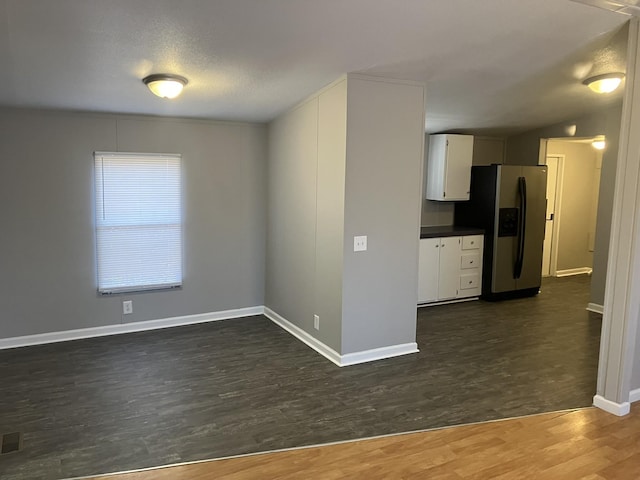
<point x="552" y="182"/>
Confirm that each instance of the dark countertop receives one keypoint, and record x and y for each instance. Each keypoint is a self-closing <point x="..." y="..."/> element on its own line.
<point x="449" y="231"/>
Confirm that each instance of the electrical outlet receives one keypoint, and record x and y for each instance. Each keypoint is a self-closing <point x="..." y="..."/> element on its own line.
<point x="360" y="243"/>
<point x="316" y="322"/>
<point x="127" y="307"/>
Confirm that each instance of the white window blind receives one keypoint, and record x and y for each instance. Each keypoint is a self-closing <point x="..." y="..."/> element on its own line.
<point x="138" y="221"/>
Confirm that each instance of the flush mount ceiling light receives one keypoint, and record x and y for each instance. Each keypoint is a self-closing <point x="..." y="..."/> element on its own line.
<point x="605" y="83"/>
<point x="165" y="85"/>
<point x="599" y="143"/>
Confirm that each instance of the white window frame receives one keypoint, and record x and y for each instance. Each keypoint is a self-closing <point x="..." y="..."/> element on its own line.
<point x="132" y="221"/>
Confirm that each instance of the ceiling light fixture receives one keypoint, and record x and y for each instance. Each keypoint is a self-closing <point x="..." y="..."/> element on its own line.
<point x="165" y="85"/>
<point x="599" y="144"/>
<point x="605" y="83"/>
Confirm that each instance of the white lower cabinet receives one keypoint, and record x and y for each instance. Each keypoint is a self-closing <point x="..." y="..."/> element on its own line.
<point x="428" y="270"/>
<point x="450" y="268"/>
<point x="471" y="266"/>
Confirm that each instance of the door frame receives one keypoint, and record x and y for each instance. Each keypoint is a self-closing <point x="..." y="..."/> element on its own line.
<point x="557" y="214"/>
<point x="621" y="302"/>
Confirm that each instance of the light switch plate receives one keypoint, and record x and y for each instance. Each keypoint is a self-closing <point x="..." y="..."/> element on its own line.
<point x="360" y="243"/>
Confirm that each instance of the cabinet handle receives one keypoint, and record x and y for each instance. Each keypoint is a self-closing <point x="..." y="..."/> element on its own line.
<point x="437" y="246"/>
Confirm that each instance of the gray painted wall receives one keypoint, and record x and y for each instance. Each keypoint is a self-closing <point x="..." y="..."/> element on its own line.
<point x="524" y="149"/>
<point x="385" y="132"/>
<point x="436" y="213"/>
<point x="348" y="161"/>
<point x="306" y="214"/>
<point x="292" y="173"/>
<point x="486" y="150"/>
<point x="635" y="371"/>
<point x="605" y="204"/>
<point x="330" y="198"/>
<point x="579" y="187"/>
<point x="48" y="274"/>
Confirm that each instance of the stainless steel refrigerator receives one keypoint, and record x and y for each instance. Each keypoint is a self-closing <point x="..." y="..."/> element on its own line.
<point x="509" y="203"/>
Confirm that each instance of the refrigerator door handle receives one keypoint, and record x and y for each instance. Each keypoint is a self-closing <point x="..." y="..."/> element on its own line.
<point x="522" y="193"/>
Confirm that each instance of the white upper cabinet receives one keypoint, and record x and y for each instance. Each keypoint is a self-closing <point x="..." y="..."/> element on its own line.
<point x="449" y="167"/>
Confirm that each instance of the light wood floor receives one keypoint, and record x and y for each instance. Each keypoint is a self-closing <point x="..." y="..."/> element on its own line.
<point x="586" y="444"/>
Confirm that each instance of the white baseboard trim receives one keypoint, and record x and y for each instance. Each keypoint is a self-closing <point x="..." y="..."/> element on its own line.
<point x="574" y="271"/>
<point x="329" y="353"/>
<point x="634" y="395"/>
<point x="118" y="329"/>
<point x="619" y="409"/>
<point x="340" y="360"/>
<point x="448" y="302"/>
<point x="594" y="307"/>
<point x="378" y="354"/>
<point x="323" y="349"/>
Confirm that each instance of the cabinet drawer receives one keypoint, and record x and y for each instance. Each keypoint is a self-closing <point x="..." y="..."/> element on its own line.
<point x="469" y="280"/>
<point x="470" y="260"/>
<point x="471" y="242"/>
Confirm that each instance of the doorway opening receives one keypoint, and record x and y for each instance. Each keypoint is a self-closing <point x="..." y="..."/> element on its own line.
<point x="573" y="182"/>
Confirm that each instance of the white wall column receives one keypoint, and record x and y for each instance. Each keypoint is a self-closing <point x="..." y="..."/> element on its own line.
<point x="622" y="300"/>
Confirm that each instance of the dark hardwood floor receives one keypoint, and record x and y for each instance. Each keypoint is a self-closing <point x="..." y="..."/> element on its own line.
<point x="224" y="388"/>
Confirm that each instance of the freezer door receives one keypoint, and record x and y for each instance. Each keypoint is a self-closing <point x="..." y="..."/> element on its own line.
<point x="536" y="204"/>
<point x="505" y="239"/>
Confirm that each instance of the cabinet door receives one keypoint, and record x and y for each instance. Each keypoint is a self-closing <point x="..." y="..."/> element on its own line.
<point x="449" y="268"/>
<point x="469" y="283"/>
<point x="428" y="270"/>
<point x="436" y="167"/>
<point x="449" y="167"/>
<point x="458" y="167"/>
<point x="472" y="242"/>
<point x="471" y="266"/>
<point x="469" y="260"/>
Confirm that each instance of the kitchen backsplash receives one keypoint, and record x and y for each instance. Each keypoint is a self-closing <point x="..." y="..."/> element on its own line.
<point x="436" y="213"/>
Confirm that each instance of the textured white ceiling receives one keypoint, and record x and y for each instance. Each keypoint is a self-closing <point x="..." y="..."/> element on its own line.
<point x="489" y="64"/>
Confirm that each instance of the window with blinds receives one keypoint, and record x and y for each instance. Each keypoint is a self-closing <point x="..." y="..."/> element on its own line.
<point x="138" y="221"/>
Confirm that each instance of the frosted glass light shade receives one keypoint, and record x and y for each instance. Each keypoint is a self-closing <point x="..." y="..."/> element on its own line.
<point x="165" y="85"/>
<point x="606" y="83"/>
